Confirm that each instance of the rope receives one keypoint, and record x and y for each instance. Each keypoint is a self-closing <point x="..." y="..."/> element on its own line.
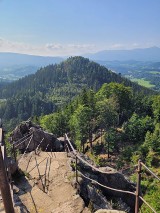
<point x="29" y="160"/>
<point x="84" y="161"/>
<point x="93" y="167"/>
<point x="113" y="189"/>
<point x="147" y="204"/>
<point x="74" y="151"/>
<point x="39" y="145"/>
<point x="46" y="147"/>
<point x="150" y="171"/>
<point x="46" y="150"/>
<point x="22" y="138"/>
<point x="39" y="174"/>
<point x="37" y="164"/>
<point x="33" y="152"/>
<point x="22" y="141"/>
<point x="26" y="149"/>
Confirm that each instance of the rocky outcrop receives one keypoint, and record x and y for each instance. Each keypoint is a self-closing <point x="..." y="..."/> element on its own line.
<point x="28" y="135"/>
<point x="118" y="181"/>
<point x="108" y="211"/>
<point x="12" y="165"/>
<point x="100" y="197"/>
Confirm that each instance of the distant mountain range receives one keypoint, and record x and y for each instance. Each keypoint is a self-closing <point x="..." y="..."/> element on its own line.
<point x="14" y="65"/>
<point x="12" y="59"/>
<point x="146" y="54"/>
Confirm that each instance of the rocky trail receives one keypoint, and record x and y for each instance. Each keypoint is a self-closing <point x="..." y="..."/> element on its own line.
<point x="48" y="188"/>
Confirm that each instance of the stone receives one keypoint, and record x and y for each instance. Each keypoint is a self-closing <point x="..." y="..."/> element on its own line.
<point x="97" y="198"/>
<point x="12" y="165"/>
<point x="112" y="179"/>
<point x="34" y="136"/>
<point x="15" y="189"/>
<point x="108" y="211"/>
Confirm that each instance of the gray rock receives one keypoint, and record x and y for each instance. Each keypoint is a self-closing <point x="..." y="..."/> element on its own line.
<point x="98" y="200"/>
<point x="108" y="211"/>
<point x="12" y="165"/>
<point x="34" y="135"/>
<point x="112" y="179"/>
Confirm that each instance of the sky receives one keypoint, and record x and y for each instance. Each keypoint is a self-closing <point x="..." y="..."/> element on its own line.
<point x="77" y="27"/>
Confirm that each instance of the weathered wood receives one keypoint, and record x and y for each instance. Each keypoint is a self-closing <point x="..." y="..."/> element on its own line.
<point x="1" y="135"/>
<point x="138" y="187"/>
<point x="5" y="188"/>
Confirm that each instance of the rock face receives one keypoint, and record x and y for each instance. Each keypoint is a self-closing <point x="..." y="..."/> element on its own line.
<point x="12" y="165"/>
<point x="118" y="181"/>
<point x="31" y="136"/>
<point x="108" y="211"/>
<point x="113" y="179"/>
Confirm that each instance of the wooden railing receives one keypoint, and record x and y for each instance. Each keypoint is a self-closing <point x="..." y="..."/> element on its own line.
<point x="5" y="183"/>
<point x="69" y="148"/>
<point x="4" y="179"/>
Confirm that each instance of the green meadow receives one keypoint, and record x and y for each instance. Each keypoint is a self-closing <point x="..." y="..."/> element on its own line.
<point x="143" y="82"/>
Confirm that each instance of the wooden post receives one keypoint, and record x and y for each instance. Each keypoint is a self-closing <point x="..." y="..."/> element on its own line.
<point x="138" y="187"/>
<point x="4" y="186"/>
<point x="76" y="171"/>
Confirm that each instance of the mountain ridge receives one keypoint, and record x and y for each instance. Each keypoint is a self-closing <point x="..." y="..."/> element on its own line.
<point x="138" y="54"/>
<point x="10" y="59"/>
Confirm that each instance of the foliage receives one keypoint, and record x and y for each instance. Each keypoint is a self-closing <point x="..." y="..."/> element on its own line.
<point x="55" y="123"/>
<point x="111" y="139"/>
<point x="156" y="108"/>
<point x="152" y="194"/>
<point x="106" y="113"/>
<point x="81" y="123"/>
<point x="53" y="86"/>
<point x="136" y="128"/>
<point x="121" y="96"/>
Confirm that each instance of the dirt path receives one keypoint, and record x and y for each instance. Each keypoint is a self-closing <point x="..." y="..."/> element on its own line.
<point x="51" y="173"/>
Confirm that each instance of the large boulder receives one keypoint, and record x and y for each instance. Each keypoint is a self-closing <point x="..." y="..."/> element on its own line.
<point x="30" y="136"/>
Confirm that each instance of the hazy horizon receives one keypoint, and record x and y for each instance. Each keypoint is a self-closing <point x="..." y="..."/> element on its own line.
<point x="64" y="28"/>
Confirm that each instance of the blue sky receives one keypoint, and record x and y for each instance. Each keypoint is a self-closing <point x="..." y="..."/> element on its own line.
<point x="74" y="27"/>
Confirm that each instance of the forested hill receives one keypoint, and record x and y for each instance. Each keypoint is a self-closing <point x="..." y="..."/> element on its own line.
<point x="66" y="78"/>
<point x="40" y="93"/>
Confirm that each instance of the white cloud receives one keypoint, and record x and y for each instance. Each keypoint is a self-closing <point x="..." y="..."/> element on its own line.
<point x="135" y="44"/>
<point x="82" y="46"/>
<point x="120" y="46"/>
<point x="58" y="49"/>
<point x="52" y="46"/>
<point x="53" y="49"/>
<point x="117" y="46"/>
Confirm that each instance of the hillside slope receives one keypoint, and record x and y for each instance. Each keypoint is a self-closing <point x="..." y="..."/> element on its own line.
<point x="54" y="85"/>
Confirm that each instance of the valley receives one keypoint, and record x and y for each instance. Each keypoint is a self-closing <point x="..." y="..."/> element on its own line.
<point x="144" y="73"/>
